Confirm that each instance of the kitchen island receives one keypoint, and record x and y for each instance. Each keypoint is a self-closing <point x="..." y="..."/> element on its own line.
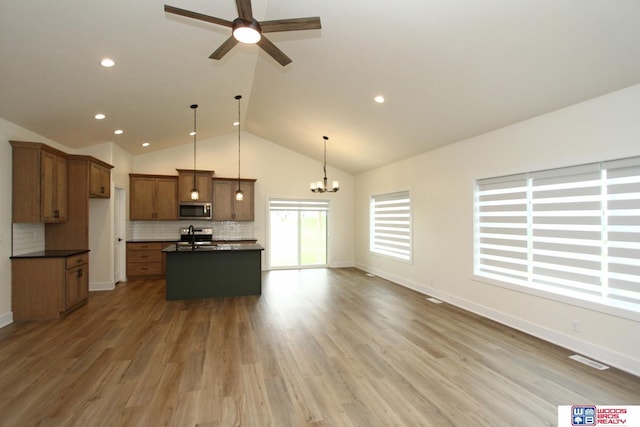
<point x="213" y="270"/>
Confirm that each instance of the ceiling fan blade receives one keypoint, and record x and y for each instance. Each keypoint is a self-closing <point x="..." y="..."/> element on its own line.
<point x="273" y="50"/>
<point x="224" y="48"/>
<point x="196" y="15"/>
<point x="244" y="9"/>
<point x="294" y="24"/>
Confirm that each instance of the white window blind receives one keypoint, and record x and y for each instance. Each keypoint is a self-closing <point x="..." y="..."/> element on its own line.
<point x="298" y="205"/>
<point x="390" y="232"/>
<point x="573" y="231"/>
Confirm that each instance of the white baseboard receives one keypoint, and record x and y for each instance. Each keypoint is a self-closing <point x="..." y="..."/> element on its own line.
<point x="341" y="264"/>
<point x="6" y="319"/>
<point x="102" y="286"/>
<point x="594" y="351"/>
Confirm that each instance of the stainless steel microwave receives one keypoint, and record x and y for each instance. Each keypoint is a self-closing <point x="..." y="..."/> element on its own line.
<point x="195" y="210"/>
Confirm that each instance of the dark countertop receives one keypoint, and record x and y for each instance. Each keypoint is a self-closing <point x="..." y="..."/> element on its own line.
<point x="224" y="247"/>
<point x="62" y="253"/>
<point x="177" y="240"/>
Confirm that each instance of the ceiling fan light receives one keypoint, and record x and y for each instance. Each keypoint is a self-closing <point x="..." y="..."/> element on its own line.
<point x="246" y="32"/>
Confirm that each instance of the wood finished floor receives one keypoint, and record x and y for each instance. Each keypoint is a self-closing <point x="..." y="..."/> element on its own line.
<point x="319" y="347"/>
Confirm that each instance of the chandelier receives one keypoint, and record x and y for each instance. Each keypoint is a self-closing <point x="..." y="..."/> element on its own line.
<point x="322" y="186"/>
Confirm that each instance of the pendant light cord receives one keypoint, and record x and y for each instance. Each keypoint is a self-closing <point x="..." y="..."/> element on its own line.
<point x="238" y="97"/>
<point x="194" y="106"/>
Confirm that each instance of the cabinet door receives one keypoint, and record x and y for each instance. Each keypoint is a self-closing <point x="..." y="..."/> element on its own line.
<point x="99" y="181"/>
<point x="223" y="193"/>
<point x="142" y="198"/>
<point x="53" y="188"/>
<point x="185" y="185"/>
<point x="77" y="285"/>
<point x="166" y="199"/>
<point x="244" y="210"/>
<point x="61" y="188"/>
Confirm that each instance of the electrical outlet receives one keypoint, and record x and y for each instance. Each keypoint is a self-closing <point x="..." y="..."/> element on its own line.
<point x="575" y="326"/>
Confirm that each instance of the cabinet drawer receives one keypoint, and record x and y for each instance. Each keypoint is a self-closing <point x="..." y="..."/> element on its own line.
<point x="76" y="260"/>
<point x="143" y="269"/>
<point x="145" y="246"/>
<point x="144" y="256"/>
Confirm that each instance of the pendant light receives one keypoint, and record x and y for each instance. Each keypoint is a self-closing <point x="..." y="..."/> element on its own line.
<point x="239" y="193"/>
<point x="195" y="194"/>
<point x="322" y="186"/>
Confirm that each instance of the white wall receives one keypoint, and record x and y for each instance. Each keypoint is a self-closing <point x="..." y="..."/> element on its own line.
<point x="280" y="172"/>
<point x="441" y="184"/>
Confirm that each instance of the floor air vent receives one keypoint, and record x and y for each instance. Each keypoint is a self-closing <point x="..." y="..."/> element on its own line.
<point x="434" y="300"/>
<point x="589" y="362"/>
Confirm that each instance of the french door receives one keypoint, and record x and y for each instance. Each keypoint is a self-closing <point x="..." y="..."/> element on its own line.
<point x="297" y="233"/>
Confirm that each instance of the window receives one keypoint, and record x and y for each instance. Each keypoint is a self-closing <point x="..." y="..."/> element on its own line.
<point x="571" y="231"/>
<point x="297" y="233"/>
<point x="390" y="232"/>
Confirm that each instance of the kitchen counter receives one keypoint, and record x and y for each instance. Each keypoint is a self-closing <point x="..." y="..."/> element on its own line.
<point x="63" y="253"/>
<point x="212" y="247"/>
<point x="177" y="240"/>
<point x="213" y="271"/>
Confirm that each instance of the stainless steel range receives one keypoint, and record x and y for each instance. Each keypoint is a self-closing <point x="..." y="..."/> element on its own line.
<point x="192" y="238"/>
<point x="196" y="234"/>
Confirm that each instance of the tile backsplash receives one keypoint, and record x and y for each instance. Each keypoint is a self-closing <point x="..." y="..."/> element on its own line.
<point x="170" y="230"/>
<point x="27" y="238"/>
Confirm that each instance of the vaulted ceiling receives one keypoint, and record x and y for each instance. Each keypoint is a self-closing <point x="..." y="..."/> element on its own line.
<point x="448" y="70"/>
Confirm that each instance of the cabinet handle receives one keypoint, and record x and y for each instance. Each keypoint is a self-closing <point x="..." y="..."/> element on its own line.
<point x="102" y="190"/>
<point x="144" y="256"/>
<point x="56" y="213"/>
<point x="80" y="273"/>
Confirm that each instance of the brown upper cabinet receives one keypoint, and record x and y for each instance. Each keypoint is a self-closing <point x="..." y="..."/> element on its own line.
<point x="225" y="206"/>
<point x="153" y="197"/>
<point x="203" y="184"/>
<point x="39" y="183"/>
<point x="99" y="180"/>
<point x="74" y="232"/>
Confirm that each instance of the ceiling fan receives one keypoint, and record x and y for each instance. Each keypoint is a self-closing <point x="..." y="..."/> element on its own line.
<point x="246" y="29"/>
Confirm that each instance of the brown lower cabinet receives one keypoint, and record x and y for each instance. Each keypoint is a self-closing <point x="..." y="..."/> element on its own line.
<point x="48" y="287"/>
<point x="145" y="260"/>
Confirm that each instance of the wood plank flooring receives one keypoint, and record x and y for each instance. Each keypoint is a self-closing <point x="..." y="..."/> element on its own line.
<point x="326" y="347"/>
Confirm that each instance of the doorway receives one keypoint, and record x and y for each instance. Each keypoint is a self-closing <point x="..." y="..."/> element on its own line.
<point x="298" y="233"/>
<point x="119" y="228"/>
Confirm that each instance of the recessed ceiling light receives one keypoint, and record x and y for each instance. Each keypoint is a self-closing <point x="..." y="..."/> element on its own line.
<point x="118" y="131"/>
<point x="145" y="144"/>
<point x="191" y="133"/>
<point x="379" y="99"/>
<point x="236" y="123"/>
<point x="99" y="116"/>
<point x="107" y="62"/>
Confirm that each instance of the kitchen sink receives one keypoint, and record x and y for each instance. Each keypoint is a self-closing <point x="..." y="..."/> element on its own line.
<point x="188" y="246"/>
